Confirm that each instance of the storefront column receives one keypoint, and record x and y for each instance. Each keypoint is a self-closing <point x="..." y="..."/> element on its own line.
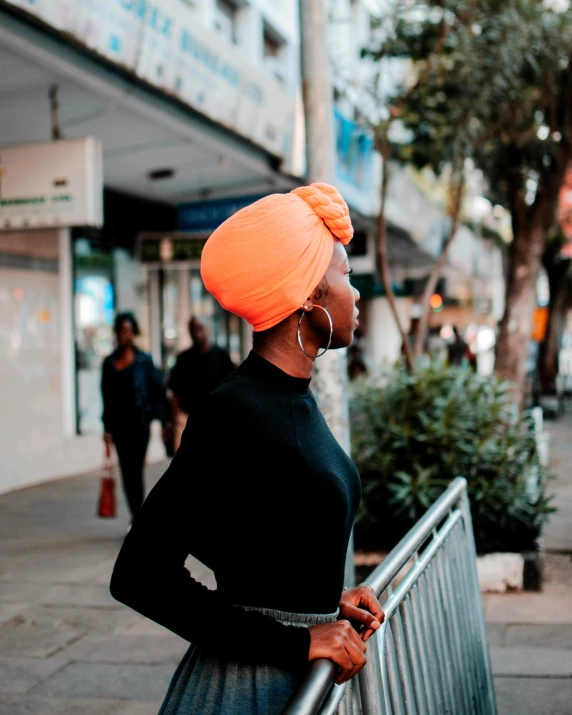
<point x="67" y="343"/>
<point x="183" y="307"/>
<point x="155" y="315"/>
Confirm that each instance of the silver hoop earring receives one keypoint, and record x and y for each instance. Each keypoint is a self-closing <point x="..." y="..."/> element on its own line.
<point x="331" y="333"/>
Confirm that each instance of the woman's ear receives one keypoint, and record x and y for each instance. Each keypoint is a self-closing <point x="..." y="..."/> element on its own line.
<point x="308" y="305"/>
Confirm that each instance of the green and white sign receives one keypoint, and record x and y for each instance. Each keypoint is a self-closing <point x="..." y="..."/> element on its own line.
<point x="51" y="185"/>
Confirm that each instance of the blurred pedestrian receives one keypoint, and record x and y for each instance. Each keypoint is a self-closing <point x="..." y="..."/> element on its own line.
<point x="436" y="345"/>
<point x="260" y="490"/>
<point x="133" y="396"/>
<point x="196" y="372"/>
<point x="458" y="350"/>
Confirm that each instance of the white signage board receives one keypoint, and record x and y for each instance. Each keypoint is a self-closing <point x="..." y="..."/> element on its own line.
<point x="53" y="184"/>
<point x="166" y="43"/>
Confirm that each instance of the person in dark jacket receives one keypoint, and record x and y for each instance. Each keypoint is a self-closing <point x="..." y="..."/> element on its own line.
<point x="133" y="396"/>
<point x="195" y="374"/>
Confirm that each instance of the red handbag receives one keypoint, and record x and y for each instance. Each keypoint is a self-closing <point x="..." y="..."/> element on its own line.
<point x="107" y="505"/>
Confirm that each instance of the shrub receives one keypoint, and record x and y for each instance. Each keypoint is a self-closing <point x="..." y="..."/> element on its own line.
<point x="413" y="434"/>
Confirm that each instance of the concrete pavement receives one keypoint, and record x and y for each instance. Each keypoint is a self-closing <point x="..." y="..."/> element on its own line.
<point x="67" y="647"/>
<point x="531" y="633"/>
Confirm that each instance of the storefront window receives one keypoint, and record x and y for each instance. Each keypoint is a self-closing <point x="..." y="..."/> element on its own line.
<point x="94" y="305"/>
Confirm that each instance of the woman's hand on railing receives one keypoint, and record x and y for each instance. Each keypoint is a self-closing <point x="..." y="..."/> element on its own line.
<point x="339" y="642"/>
<point x="361" y="607"/>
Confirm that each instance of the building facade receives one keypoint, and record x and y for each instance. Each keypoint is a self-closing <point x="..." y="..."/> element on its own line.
<point x="190" y="102"/>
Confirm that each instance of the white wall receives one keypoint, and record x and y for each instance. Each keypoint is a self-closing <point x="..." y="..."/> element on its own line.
<point x="37" y="419"/>
<point x="382" y="340"/>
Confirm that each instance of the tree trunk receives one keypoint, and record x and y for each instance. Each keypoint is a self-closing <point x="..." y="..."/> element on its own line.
<point x="525" y="256"/>
<point x="458" y="186"/>
<point x="559" y="293"/>
<point x="382" y="259"/>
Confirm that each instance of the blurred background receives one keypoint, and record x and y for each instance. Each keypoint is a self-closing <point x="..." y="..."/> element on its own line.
<point x="130" y="129"/>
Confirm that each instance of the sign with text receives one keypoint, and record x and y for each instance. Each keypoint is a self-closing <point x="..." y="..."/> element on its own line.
<point x="198" y="215"/>
<point x="51" y="185"/>
<point x="170" y="248"/>
<point x="167" y="44"/>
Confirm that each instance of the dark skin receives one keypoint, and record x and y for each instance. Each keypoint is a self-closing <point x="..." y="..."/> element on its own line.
<point x="337" y="641"/>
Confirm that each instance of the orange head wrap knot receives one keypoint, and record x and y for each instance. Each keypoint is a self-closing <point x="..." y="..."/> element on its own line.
<point x="265" y="260"/>
<point x="327" y="203"/>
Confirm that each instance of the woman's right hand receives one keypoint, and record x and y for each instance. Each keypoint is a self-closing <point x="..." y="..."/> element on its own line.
<point x="338" y="641"/>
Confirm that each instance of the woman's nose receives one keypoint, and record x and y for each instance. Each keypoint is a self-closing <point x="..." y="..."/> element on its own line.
<point x="356" y="295"/>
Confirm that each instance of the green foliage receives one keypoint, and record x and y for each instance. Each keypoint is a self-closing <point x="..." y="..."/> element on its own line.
<point x="413" y="434"/>
<point x="491" y="82"/>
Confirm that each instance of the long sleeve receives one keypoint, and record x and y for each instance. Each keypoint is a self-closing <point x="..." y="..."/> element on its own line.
<point x="150" y="576"/>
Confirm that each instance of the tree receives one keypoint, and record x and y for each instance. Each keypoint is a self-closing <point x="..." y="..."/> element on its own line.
<point x="559" y="281"/>
<point x="491" y="83"/>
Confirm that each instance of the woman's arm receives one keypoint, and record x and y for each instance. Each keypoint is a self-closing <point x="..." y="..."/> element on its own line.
<point x="150" y="576"/>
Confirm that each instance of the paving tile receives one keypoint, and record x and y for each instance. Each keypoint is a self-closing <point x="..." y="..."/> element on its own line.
<point x="103" y="619"/>
<point x="37" y="705"/>
<point x="11" y="610"/>
<point x="103" y="680"/>
<point x="18" y="639"/>
<point x="17" y="675"/>
<point x="127" y="649"/>
<point x="532" y="662"/>
<point x="535" y="636"/>
<point x="496" y="633"/>
<point x="536" y="696"/>
<point x="531" y="608"/>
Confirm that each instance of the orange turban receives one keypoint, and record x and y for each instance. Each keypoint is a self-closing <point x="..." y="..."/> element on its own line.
<point x="265" y="260"/>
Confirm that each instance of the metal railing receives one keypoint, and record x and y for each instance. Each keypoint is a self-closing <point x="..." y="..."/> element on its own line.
<point x="431" y="654"/>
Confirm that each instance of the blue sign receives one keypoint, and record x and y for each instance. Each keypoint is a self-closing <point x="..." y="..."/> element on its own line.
<point x="200" y="215"/>
<point x="354" y="150"/>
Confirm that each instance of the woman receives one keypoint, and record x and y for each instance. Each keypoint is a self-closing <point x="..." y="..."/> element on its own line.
<point x="260" y="491"/>
<point x="133" y="395"/>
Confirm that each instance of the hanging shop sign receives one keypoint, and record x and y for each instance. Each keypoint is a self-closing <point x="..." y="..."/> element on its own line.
<point x="161" y="249"/>
<point x="166" y="43"/>
<point x="198" y="215"/>
<point x="51" y="185"/>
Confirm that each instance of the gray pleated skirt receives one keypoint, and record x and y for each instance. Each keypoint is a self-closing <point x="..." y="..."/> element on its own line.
<point x="206" y="685"/>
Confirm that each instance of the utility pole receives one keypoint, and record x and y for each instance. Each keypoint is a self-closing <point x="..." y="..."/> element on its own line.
<point x="330" y="372"/>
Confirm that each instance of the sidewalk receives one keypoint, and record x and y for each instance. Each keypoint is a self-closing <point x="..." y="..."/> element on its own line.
<point x="530" y="634"/>
<point x="67" y="647"/>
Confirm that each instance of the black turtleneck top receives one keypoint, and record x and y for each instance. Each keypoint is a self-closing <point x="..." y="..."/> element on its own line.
<point x="262" y="494"/>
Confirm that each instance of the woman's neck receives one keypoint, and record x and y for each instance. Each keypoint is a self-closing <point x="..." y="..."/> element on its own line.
<point x="280" y="347"/>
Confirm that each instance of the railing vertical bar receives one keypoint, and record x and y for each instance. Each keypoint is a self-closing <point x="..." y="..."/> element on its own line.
<point x="421" y="635"/>
<point x="414" y="645"/>
<point x="471" y="558"/>
<point x="370" y="679"/>
<point x="467" y="602"/>
<point x="403" y="660"/>
<point x="440" y="628"/>
<point x="433" y="648"/>
<point x="396" y="696"/>
<point x="474" y="637"/>
<point x="383" y="669"/>
<point x="448" y="586"/>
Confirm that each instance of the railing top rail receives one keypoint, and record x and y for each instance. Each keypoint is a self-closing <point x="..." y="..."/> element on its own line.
<point x="316" y="685"/>
<point x="384" y="574"/>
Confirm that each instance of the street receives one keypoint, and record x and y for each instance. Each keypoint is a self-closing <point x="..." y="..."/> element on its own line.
<point x="68" y="647"/>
